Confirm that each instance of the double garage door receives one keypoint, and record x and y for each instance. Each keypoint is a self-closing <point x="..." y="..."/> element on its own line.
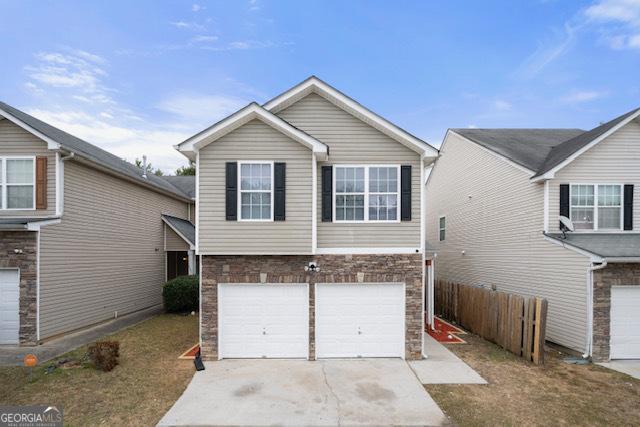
<point x="272" y="320"/>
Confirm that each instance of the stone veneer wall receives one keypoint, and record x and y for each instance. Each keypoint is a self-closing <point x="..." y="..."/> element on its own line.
<point x="603" y="280"/>
<point x="27" y="263"/>
<point x="405" y="268"/>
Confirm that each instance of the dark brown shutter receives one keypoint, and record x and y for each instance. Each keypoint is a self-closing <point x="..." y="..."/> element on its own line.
<point x="405" y="193"/>
<point x="279" y="187"/>
<point x="41" y="183"/>
<point x="327" y="193"/>
<point x="231" y="200"/>
<point x="628" y="207"/>
<point x="564" y="201"/>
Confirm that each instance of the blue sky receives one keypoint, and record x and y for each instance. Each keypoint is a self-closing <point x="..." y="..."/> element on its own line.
<point x="136" y="77"/>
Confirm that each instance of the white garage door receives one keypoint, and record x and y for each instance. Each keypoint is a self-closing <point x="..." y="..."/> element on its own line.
<point x="625" y="322"/>
<point x="257" y="321"/>
<point x="360" y="320"/>
<point x="9" y="304"/>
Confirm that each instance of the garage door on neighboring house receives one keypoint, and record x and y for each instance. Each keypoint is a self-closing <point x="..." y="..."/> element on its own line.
<point x="9" y="306"/>
<point x="263" y="320"/>
<point x="360" y="320"/>
<point x="625" y="322"/>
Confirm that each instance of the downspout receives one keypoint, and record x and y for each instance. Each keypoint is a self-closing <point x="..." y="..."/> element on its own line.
<point x="589" y="337"/>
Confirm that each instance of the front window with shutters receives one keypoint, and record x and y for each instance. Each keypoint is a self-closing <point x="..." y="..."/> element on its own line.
<point x="366" y="193"/>
<point x="256" y="191"/>
<point x="17" y="183"/>
<point x="596" y="206"/>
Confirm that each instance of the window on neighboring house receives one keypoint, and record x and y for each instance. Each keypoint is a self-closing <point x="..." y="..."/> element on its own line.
<point x="256" y="195"/>
<point x="441" y="227"/>
<point x="596" y="207"/>
<point x="17" y="179"/>
<point x="366" y="193"/>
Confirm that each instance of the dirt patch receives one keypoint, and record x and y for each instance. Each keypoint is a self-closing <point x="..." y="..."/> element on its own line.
<point x="146" y="383"/>
<point x="520" y="393"/>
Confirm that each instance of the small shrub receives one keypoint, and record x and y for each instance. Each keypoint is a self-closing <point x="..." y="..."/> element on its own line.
<point x="104" y="354"/>
<point x="180" y="295"/>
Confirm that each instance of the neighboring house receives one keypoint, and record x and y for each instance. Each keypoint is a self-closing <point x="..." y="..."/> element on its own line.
<point x="310" y="230"/>
<point x="83" y="233"/>
<point x="494" y="201"/>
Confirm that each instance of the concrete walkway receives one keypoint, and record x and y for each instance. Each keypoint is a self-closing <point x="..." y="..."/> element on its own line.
<point x="442" y="366"/>
<point x="301" y="393"/>
<point x="13" y="356"/>
<point x="629" y="367"/>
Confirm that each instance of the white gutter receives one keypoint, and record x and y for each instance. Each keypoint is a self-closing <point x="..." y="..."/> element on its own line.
<point x="589" y="338"/>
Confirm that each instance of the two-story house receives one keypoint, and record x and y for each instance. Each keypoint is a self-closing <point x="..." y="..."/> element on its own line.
<point x="84" y="236"/>
<point x="310" y="230"/>
<point x="495" y="199"/>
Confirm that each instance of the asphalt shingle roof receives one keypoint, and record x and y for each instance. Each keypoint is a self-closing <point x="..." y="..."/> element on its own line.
<point x="562" y="151"/>
<point x="539" y="150"/>
<point x="526" y="147"/>
<point x="186" y="183"/>
<point x="605" y="245"/>
<point x="91" y="152"/>
<point x="184" y="227"/>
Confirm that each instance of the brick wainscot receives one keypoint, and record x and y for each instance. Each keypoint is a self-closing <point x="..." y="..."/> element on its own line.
<point x="603" y="280"/>
<point x="19" y="249"/>
<point x="406" y="268"/>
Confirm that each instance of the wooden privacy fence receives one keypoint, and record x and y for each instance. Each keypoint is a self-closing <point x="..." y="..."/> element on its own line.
<point x="514" y="322"/>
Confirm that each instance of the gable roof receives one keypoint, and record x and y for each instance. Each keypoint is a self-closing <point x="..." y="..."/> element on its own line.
<point x="251" y="112"/>
<point x="186" y="183"/>
<point x="314" y="85"/>
<point x="183" y="228"/>
<point x="527" y="147"/>
<point x="543" y="151"/>
<point x="83" y="149"/>
<point x="564" y="151"/>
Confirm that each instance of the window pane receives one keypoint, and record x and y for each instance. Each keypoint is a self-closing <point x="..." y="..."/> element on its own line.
<point x="442" y="234"/>
<point x="442" y="222"/>
<point x="609" y="218"/>
<point x="20" y="197"/>
<point x="582" y="218"/>
<point x="582" y="195"/>
<point x="19" y="171"/>
<point x="609" y="195"/>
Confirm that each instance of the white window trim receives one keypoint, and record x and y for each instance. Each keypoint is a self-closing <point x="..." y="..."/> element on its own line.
<point x="4" y="184"/>
<point x="596" y="207"/>
<point x="366" y="194"/>
<point x="440" y="229"/>
<point x="240" y="191"/>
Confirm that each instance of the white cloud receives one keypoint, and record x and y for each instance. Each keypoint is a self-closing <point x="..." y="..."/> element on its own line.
<point x="201" y="109"/>
<point x="193" y="26"/>
<point x="502" y="105"/>
<point x="624" y="19"/>
<point x="580" y="96"/>
<point x="204" y="39"/>
<point x="548" y="52"/>
<point x="253" y="5"/>
<point x="71" y="69"/>
<point x="197" y="7"/>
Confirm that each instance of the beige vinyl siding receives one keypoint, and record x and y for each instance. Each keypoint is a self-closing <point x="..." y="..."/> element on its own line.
<point x="351" y="141"/>
<point x="107" y="253"/>
<point x="254" y="141"/>
<point x="15" y="141"/>
<point x="614" y="160"/>
<point x="173" y="242"/>
<point x="495" y="215"/>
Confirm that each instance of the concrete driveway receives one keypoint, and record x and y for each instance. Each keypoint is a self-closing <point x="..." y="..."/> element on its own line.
<point x="298" y="392"/>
